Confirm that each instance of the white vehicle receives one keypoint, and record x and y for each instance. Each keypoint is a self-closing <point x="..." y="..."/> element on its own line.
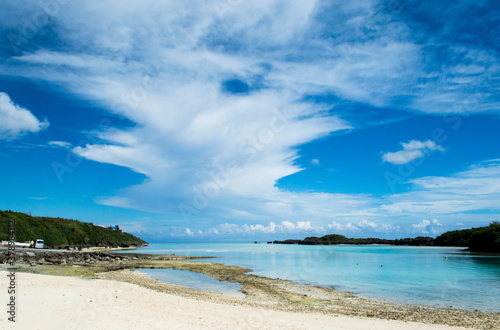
<point x="39" y="244"/>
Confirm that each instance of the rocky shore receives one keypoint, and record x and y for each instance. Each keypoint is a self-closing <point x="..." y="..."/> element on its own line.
<point x="104" y="244"/>
<point x="34" y="257"/>
<point x="261" y="292"/>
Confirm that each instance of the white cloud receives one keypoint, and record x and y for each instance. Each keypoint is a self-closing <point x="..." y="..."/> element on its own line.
<point x="335" y="226"/>
<point x="221" y="154"/>
<point x="304" y="225"/>
<point x="300" y="228"/>
<point x="60" y="144"/>
<point x="411" y="151"/>
<point x="422" y="226"/>
<point x="285" y="227"/>
<point x="477" y="188"/>
<point x="435" y="222"/>
<point x="428" y="227"/>
<point x="351" y="227"/>
<point x="16" y="120"/>
<point x="365" y="227"/>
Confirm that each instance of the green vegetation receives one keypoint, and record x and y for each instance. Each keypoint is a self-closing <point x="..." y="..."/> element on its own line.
<point x="57" y="232"/>
<point x="335" y="239"/>
<point x="481" y="239"/>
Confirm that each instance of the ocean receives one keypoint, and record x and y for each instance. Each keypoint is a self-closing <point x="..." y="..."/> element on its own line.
<point x="431" y="276"/>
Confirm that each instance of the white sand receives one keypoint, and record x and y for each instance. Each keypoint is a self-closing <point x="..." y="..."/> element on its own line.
<point x="55" y="302"/>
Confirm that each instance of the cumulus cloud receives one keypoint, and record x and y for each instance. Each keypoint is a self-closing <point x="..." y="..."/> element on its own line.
<point x="289" y="229"/>
<point x="411" y="151"/>
<point x="335" y="226"/>
<point x="422" y="226"/>
<point x="17" y="121"/>
<point x="270" y="228"/>
<point x="427" y="227"/>
<point x="363" y="226"/>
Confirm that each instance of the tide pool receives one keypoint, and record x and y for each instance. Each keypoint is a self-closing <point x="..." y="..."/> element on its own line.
<point x="194" y="280"/>
<point x="432" y="276"/>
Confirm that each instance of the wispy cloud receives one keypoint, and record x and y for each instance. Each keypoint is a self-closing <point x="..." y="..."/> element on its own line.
<point x="60" y="144"/>
<point x="166" y="66"/>
<point x="411" y="151"/>
<point x="478" y="188"/>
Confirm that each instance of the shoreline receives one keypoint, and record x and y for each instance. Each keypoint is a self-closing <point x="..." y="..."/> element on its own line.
<point x="84" y="303"/>
<point x="261" y="292"/>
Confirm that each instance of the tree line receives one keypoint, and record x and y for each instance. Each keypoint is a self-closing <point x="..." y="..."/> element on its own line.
<point x="481" y="239"/>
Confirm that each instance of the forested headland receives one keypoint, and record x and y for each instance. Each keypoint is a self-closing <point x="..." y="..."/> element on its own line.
<point x="63" y="233"/>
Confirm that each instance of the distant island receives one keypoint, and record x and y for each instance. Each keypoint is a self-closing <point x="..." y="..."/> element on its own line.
<point x="61" y="233"/>
<point x="480" y="239"/>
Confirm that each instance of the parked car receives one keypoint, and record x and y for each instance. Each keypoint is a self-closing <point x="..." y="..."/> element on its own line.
<point x="39" y="244"/>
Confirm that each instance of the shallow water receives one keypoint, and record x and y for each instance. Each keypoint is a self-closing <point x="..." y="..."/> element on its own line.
<point x="194" y="280"/>
<point x="413" y="275"/>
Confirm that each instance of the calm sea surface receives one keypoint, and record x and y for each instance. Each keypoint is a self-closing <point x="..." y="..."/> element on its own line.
<point x="433" y="276"/>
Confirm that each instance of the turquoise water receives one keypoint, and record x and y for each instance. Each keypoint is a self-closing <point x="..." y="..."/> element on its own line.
<point x="413" y="275"/>
<point x="194" y="280"/>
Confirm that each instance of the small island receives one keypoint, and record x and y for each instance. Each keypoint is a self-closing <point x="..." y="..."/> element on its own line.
<point x="480" y="239"/>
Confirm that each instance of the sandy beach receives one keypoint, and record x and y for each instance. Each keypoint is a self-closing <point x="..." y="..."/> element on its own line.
<point x="60" y="302"/>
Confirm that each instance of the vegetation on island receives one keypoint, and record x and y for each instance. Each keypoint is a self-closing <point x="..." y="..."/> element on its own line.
<point x="60" y="233"/>
<point x="335" y="239"/>
<point x="481" y="239"/>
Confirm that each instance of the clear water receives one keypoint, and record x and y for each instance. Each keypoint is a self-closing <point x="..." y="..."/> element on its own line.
<point x="194" y="280"/>
<point x="413" y="275"/>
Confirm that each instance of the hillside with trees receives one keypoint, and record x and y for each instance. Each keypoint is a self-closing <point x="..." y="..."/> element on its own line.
<point x="60" y="233"/>
<point x="481" y="239"/>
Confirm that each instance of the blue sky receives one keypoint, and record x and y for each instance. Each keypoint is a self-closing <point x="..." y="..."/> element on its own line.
<point x="233" y="121"/>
